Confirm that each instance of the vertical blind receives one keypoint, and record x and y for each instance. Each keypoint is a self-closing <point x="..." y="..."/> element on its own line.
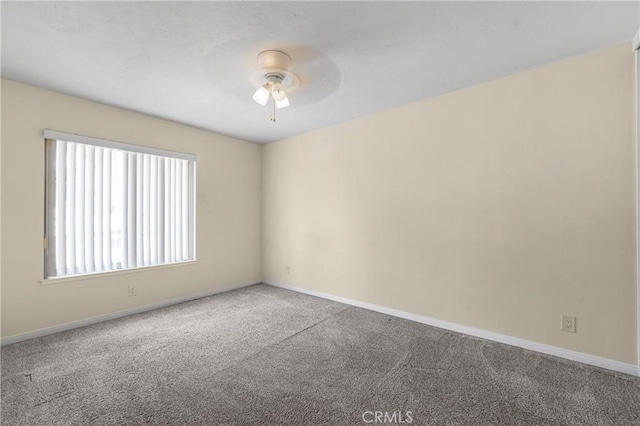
<point x="113" y="208"/>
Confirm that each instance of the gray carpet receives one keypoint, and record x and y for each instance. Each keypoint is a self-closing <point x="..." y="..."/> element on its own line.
<point x="266" y="356"/>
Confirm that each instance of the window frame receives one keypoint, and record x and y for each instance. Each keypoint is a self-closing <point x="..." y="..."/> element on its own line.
<point x="50" y="187"/>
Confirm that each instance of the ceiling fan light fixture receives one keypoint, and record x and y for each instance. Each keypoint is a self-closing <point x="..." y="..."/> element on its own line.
<point x="278" y="92"/>
<point x="283" y="103"/>
<point x="276" y="79"/>
<point x="261" y="95"/>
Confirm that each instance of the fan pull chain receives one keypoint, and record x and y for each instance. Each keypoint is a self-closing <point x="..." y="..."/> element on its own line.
<point x="273" y="110"/>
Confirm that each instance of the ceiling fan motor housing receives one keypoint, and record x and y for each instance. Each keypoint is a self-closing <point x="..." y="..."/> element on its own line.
<point x="274" y="59"/>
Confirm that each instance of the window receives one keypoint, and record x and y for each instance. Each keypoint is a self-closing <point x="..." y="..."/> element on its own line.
<point x="113" y="206"/>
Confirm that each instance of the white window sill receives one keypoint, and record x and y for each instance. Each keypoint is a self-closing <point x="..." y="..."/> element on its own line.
<point x="94" y="275"/>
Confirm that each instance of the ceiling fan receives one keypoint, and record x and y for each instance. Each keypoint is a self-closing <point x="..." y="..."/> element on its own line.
<point x="275" y="78"/>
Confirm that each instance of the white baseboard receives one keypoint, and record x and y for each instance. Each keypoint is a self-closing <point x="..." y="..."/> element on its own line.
<point x="94" y="320"/>
<point x="608" y="364"/>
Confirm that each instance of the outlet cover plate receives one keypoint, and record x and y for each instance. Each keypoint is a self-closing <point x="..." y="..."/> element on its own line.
<point x="568" y="324"/>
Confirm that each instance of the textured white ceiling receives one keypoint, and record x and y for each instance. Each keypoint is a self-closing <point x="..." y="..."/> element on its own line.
<point x="190" y="61"/>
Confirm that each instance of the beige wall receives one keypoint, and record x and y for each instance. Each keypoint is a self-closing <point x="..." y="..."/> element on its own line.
<point x="228" y="211"/>
<point x="500" y="206"/>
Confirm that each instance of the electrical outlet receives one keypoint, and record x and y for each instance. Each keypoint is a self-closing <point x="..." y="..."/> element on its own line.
<point x="133" y="290"/>
<point x="568" y="324"/>
<point x="287" y="270"/>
